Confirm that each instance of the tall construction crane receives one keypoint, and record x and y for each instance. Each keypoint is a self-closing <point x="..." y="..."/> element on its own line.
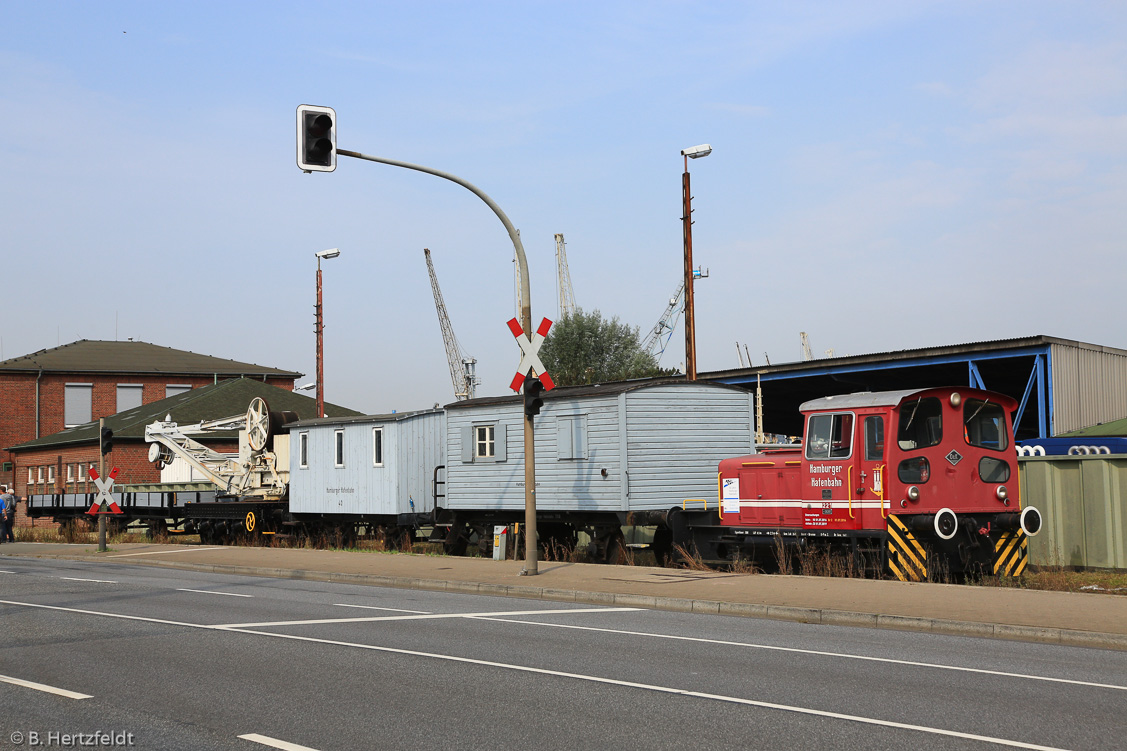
<point x="463" y="368"/>
<point x="563" y="278"/>
<point x="658" y="338"/>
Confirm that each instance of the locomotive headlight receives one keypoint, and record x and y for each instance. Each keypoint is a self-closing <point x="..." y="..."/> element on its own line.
<point x="1003" y="494"/>
<point x="913" y="493"/>
<point x="956" y="400"/>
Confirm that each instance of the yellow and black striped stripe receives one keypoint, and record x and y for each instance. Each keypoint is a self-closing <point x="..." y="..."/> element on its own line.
<point x="906" y="556"/>
<point x="1011" y="553"/>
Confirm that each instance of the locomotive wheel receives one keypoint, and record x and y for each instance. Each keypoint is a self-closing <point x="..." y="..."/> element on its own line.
<point x="258" y="424"/>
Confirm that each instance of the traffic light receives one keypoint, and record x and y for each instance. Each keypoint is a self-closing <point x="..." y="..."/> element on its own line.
<point x="533" y="396"/>
<point x="316" y="138"/>
<point x="106" y="442"/>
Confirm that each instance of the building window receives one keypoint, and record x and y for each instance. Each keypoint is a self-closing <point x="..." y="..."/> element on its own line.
<point x="339" y="442"/>
<point x="377" y="447"/>
<point x="39" y="475"/>
<point x="50" y="475"/>
<point x="303" y="450"/>
<point x="78" y="402"/>
<point x="173" y="389"/>
<point x="129" y="395"/>
<point x="31" y="475"/>
<point x="485" y="444"/>
<point x="70" y="473"/>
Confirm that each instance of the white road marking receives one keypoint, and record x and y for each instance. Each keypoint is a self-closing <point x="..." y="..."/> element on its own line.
<point x="266" y="740"/>
<point x="43" y="687"/>
<point x="576" y="676"/>
<point x="186" y="549"/>
<point x="210" y="592"/>
<point x="815" y="652"/>
<point x="372" y="619"/>
<point x="7" y="572"/>
<point x="373" y="607"/>
<point x="99" y="581"/>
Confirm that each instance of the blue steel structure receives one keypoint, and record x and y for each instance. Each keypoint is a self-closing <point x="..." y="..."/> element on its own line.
<point x="1021" y="368"/>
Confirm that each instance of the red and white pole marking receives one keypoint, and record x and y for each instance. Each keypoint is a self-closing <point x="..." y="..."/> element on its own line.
<point x="529" y="357"/>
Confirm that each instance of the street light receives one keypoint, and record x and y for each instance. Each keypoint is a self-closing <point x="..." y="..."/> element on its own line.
<point x="530" y="549"/>
<point x="319" y="327"/>
<point x="693" y="152"/>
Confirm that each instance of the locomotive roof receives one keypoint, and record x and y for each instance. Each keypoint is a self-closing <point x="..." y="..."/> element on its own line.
<point x="859" y="400"/>
<point x="863" y="399"/>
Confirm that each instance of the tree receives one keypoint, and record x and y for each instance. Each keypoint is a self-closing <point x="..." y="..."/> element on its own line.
<point x="585" y="348"/>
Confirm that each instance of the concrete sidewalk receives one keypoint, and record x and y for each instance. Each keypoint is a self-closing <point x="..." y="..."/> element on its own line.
<point x="1087" y="620"/>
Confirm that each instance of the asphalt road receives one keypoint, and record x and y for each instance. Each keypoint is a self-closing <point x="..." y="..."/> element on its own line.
<point x="186" y="660"/>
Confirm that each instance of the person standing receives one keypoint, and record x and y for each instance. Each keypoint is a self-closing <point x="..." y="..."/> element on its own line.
<point x="9" y="516"/>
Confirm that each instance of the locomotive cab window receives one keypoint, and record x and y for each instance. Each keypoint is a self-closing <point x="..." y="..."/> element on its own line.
<point x="874" y="438"/>
<point x="984" y="424"/>
<point x="921" y="423"/>
<point x="830" y="436"/>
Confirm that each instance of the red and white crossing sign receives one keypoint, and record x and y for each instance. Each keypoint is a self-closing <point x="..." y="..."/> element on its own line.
<point x="529" y="358"/>
<point x="104" y="497"/>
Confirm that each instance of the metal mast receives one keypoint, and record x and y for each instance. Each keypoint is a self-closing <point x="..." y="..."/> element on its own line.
<point x="806" y="353"/>
<point x="462" y="366"/>
<point x="658" y="338"/>
<point x="566" y="294"/>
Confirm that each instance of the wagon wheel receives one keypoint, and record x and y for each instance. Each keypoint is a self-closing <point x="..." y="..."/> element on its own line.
<point x="258" y="424"/>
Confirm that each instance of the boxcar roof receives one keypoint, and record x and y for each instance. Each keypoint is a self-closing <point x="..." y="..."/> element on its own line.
<point x="351" y="419"/>
<point x="597" y="389"/>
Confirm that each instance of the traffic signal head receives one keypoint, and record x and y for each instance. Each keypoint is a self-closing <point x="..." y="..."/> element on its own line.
<point x="316" y="138"/>
<point x="533" y="396"/>
<point x="106" y="441"/>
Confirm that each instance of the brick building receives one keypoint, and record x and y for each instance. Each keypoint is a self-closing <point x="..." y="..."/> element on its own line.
<point x="58" y="463"/>
<point x="48" y="391"/>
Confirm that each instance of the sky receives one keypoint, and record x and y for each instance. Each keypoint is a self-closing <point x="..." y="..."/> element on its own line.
<point x="884" y="176"/>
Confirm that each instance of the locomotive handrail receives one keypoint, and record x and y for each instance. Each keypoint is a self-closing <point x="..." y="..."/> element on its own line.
<point x="880" y="469"/>
<point x="849" y="489"/>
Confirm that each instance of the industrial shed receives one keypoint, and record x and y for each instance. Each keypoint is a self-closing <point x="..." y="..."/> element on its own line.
<point x="617" y="447"/>
<point x="375" y="465"/>
<point x="1061" y="385"/>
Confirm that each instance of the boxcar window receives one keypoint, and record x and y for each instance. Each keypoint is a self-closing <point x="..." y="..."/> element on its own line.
<point x="339" y="448"/>
<point x="484" y="443"/>
<point x="874" y="438"/>
<point x="921" y="423"/>
<point x="984" y="424"/>
<point x="377" y="447"/>
<point x="303" y="450"/>
<point x="830" y="436"/>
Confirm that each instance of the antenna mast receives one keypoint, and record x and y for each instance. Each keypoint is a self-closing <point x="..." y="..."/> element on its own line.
<point x="566" y="293"/>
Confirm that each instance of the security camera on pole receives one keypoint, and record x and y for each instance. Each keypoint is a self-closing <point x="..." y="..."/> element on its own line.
<point x="317" y="152"/>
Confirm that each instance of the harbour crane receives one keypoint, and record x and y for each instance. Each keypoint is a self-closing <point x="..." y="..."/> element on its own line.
<point x="658" y="338"/>
<point x="563" y="278"/>
<point x="463" y="368"/>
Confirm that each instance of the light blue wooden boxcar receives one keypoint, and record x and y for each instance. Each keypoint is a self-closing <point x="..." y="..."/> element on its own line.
<point x="376" y="465"/>
<point x="618" y="447"/>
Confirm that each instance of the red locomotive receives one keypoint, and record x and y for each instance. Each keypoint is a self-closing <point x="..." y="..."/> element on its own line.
<point x="926" y="478"/>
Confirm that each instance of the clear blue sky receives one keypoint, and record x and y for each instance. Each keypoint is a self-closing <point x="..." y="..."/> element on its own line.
<point x="885" y="175"/>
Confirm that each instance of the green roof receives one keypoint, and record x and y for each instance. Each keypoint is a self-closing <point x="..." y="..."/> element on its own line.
<point x="1107" y="429"/>
<point x="213" y="402"/>
<point x="90" y="356"/>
